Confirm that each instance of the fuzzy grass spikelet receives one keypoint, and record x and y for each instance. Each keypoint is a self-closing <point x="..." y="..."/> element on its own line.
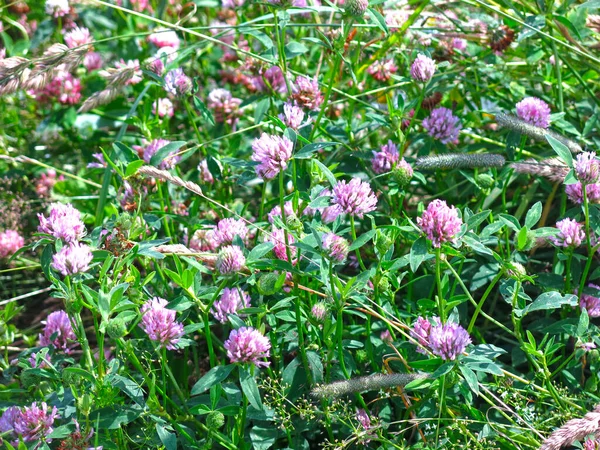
<point x="459" y="161"/>
<point x="538" y="133"/>
<point x="363" y="384"/>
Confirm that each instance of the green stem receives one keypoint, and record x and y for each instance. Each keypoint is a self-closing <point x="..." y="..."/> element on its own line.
<point x="438" y="281"/>
<point x="353" y="230"/>
<point x="482" y="301"/>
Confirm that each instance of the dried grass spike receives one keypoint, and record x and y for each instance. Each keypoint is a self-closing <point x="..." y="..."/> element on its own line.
<point x="537" y="133"/>
<point x="362" y="384"/>
<point x="166" y="176"/>
<point x="574" y="430"/>
<point x="459" y="161"/>
<point x="552" y="168"/>
<point x="99" y="98"/>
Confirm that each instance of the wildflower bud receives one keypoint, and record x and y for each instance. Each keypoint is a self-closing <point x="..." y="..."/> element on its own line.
<point x="386" y="337"/>
<point x="294" y="223"/>
<point x="485" y="181"/>
<point x="516" y="270"/>
<point x="384" y="284"/>
<point x="215" y="420"/>
<point x="318" y="312"/>
<point x="268" y="283"/>
<point x="361" y="356"/>
<point x="29" y="378"/>
<point x="357" y="8"/>
<point x="336" y="247"/>
<point x="116" y="329"/>
<point x="403" y="173"/>
<point x="422" y="69"/>
<point x="84" y="404"/>
<point x="382" y="242"/>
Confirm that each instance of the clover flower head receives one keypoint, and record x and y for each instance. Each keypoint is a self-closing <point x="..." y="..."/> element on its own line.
<point x="248" y="345"/>
<point x="443" y="125"/>
<point x="230" y="302"/>
<point x="272" y="153"/>
<point x="58" y="332"/>
<point x="159" y="323"/>
<point x="440" y="223"/>
<point x="356" y="197"/>
<point x="534" y="111"/>
<point x="72" y="259"/>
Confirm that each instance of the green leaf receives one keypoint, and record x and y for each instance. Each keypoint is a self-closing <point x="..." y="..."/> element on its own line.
<point x="259" y="251"/>
<point x="482" y="365"/>
<point x="263" y="438"/>
<point x="379" y="20"/>
<point x="125" y="153"/>
<point x="262" y="106"/>
<point x="584" y="323"/>
<point x="206" y="114"/>
<point x="550" y="300"/>
<point x="294" y="49"/>
<point x="362" y="240"/>
<point x="561" y="150"/>
<point x="250" y="389"/>
<point x="443" y="369"/>
<point x="163" y="152"/>
<point x="476" y="219"/>
<point x="306" y="151"/>
<point x="328" y="174"/>
<point x="129" y="387"/>
<point x="533" y="215"/>
<point x="168" y="439"/>
<point x="470" y="378"/>
<point x="316" y="366"/>
<point x="418" y="253"/>
<point x="133" y="167"/>
<point x="214" y="376"/>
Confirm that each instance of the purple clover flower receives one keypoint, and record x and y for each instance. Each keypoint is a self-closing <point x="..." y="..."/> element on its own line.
<point x="225" y="106"/>
<point x="159" y="323"/>
<point x="204" y="171"/>
<point x="440" y="223"/>
<point x="177" y="82"/>
<point x="587" y="167"/>
<point x="306" y="92"/>
<point x="355" y="197"/>
<point x="10" y="242"/>
<point x="72" y="258"/>
<point x="590" y="303"/>
<point x="448" y="340"/>
<point x="292" y="116"/>
<point x="7" y="421"/>
<point x="247" y="345"/>
<point x="443" y="125"/>
<point x="575" y="192"/>
<point x="230" y="260"/>
<point x="227" y="229"/>
<point x="153" y="147"/>
<point x="272" y="78"/>
<point x="422" y="68"/>
<point x="336" y="247"/>
<point x="319" y="311"/>
<point x="58" y="332"/>
<point x="570" y="234"/>
<point x="384" y="160"/>
<point x="230" y="302"/>
<point x="64" y="222"/>
<point x="277" y="237"/>
<point x="421" y="330"/>
<point x="35" y="423"/>
<point x="276" y="211"/>
<point x="534" y="111"/>
<point x="272" y="153"/>
<point x="328" y="213"/>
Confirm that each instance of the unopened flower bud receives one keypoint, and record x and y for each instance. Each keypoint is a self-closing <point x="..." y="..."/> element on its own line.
<point x="357" y="7"/>
<point x="402" y="173"/>
<point x="215" y="420"/>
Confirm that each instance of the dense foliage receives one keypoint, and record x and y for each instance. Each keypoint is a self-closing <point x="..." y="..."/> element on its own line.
<point x="299" y="224"/>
